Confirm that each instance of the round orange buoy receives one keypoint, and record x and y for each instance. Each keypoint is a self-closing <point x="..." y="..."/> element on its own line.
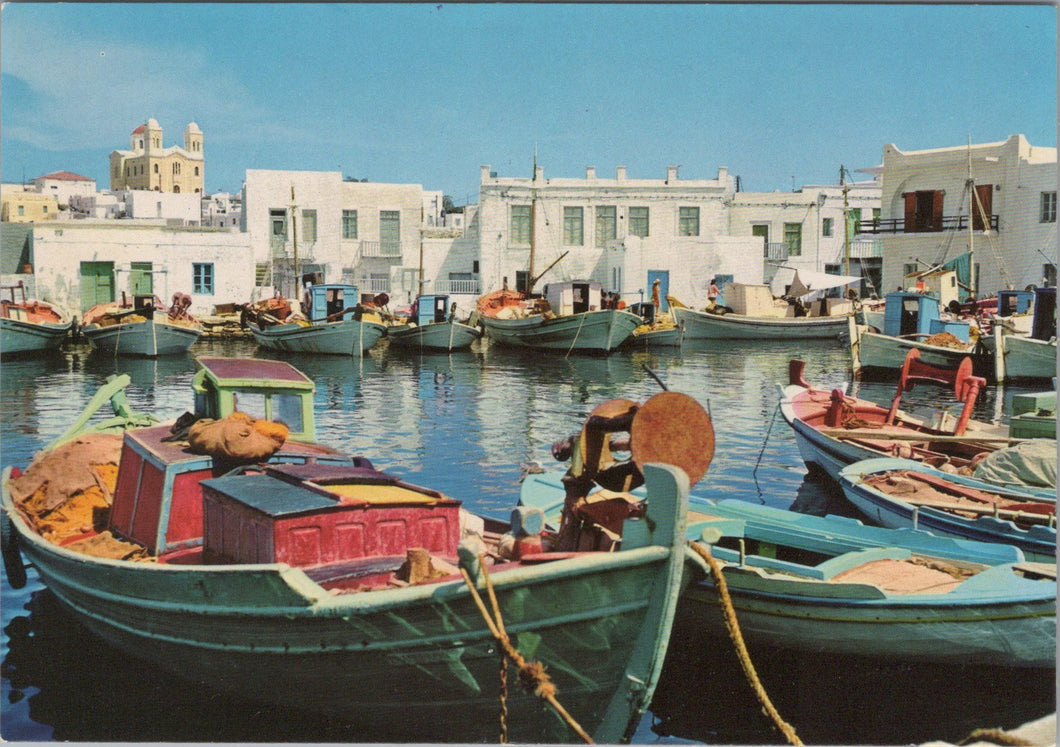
<point x="673" y="428"/>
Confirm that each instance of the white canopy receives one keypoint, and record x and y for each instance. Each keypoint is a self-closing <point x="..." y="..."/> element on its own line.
<point x="807" y="281"/>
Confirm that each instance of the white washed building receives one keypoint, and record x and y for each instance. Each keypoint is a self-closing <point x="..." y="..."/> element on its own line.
<point x="621" y="232"/>
<point x="366" y="233"/>
<point x="807" y="230"/>
<point x="79" y="264"/>
<point x="926" y="207"/>
<point x="222" y="210"/>
<point x="63" y="185"/>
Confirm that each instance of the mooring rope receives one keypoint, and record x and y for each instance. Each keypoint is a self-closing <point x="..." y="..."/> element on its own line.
<point x="576" y="333"/>
<point x="995" y="736"/>
<point x="769" y="430"/>
<point x="532" y="674"/>
<point x="742" y="654"/>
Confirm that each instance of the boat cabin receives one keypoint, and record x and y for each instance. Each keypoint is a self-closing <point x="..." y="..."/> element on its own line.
<point x="645" y="310"/>
<point x="909" y="314"/>
<point x="431" y="309"/>
<point x="332" y="301"/>
<point x="158" y="500"/>
<point x="314" y="514"/>
<point x="1010" y="302"/>
<point x="574" y="296"/>
<point x="1043" y="327"/>
<point x="263" y="389"/>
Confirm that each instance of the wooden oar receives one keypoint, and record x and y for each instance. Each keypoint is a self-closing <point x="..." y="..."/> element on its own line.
<point x="867" y="433"/>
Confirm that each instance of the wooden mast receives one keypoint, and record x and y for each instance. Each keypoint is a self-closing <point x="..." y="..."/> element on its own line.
<point x="533" y="227"/>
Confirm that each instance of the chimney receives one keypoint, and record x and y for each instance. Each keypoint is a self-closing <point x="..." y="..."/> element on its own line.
<point x="621" y="173"/>
<point x="590" y="172"/>
<point x="539" y="173"/>
<point x="485" y="173"/>
<point x="671" y="174"/>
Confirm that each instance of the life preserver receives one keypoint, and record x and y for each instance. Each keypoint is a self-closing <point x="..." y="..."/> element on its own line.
<point x="13" y="565"/>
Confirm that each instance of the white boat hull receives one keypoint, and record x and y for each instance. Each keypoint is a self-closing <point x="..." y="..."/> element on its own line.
<point x="588" y="332"/>
<point x="700" y="325"/>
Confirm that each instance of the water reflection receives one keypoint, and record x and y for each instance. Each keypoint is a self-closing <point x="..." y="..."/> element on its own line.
<point x="703" y="696"/>
<point x="463" y="423"/>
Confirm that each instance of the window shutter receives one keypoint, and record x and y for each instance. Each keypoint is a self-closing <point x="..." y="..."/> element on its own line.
<point x="983" y="207"/>
<point x="910" y="211"/>
<point x="936" y="210"/>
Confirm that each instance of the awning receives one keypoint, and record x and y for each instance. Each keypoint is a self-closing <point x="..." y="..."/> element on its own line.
<point x="807" y="281"/>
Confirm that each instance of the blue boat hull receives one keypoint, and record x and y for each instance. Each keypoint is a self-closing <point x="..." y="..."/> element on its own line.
<point x="144" y="339"/>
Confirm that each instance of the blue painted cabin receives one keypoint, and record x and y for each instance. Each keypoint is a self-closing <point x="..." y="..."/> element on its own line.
<point x="909" y="313"/>
<point x="332" y="301"/>
<point x="1011" y="302"/>
<point x="431" y="309"/>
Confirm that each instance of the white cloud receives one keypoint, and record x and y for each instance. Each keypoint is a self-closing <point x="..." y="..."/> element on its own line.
<point x="85" y="93"/>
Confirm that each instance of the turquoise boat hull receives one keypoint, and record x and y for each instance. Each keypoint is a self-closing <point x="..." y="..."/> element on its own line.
<point x="587" y="332"/>
<point x="781" y="570"/>
<point x="19" y="337"/>
<point x="437" y="336"/>
<point x="416" y="663"/>
<point x="149" y="338"/>
<point x="346" y="337"/>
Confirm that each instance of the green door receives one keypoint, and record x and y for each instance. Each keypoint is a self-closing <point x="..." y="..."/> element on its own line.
<point x="141" y="282"/>
<point x="390" y="233"/>
<point x="97" y="283"/>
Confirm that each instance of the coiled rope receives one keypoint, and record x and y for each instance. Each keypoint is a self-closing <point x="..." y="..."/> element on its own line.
<point x="532" y="674"/>
<point x="742" y="654"/>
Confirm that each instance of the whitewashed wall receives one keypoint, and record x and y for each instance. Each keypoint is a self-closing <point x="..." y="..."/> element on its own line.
<point x="59" y="250"/>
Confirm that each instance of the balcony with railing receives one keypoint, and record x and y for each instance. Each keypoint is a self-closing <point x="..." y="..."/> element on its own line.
<point x="387" y="249"/>
<point x="946" y="223"/>
<point x="776" y="251"/>
<point x="457" y="287"/>
<point x="281" y="248"/>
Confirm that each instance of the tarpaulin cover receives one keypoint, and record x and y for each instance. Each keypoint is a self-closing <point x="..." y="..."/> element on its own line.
<point x="807" y="281"/>
<point x="1030" y="463"/>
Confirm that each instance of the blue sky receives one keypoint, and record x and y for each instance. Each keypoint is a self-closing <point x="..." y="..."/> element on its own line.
<point x="426" y="93"/>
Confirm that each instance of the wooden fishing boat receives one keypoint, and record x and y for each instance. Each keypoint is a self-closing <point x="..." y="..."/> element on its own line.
<point x="657" y="329"/>
<point x="1030" y="356"/>
<point x="433" y="328"/>
<point x="29" y="326"/>
<point x="912" y="321"/>
<point x="336" y="324"/>
<point x="751" y="313"/>
<point x="903" y="493"/>
<point x="308" y="580"/>
<point x="569" y="318"/>
<point x="834" y="586"/>
<point x="833" y="430"/>
<point x="144" y="329"/>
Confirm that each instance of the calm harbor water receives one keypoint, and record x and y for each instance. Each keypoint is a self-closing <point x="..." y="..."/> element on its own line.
<point x="464" y="424"/>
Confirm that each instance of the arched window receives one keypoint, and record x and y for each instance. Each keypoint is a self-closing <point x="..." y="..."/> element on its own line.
<point x="196" y="171"/>
<point x="156" y="168"/>
<point x="176" y="168"/>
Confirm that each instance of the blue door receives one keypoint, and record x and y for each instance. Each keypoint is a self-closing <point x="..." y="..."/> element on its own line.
<point x="663" y="276"/>
<point x="721" y="281"/>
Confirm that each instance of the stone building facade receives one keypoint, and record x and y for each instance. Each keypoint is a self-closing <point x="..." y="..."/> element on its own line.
<point x="148" y="165"/>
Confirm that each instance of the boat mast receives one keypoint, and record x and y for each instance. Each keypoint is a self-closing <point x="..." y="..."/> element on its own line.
<point x="970" y="184"/>
<point x="294" y="236"/>
<point x="846" y="221"/>
<point x="533" y="227"/>
<point x="419" y="271"/>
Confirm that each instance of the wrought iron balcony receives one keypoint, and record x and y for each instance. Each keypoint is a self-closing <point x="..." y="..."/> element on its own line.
<point x="898" y="225"/>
